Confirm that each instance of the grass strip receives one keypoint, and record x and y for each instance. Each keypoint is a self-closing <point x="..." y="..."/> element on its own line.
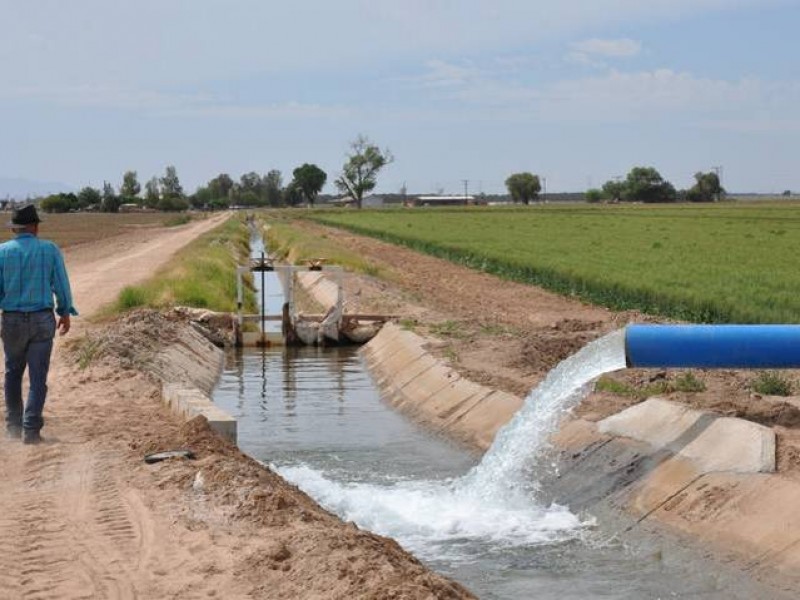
<point x="201" y="275"/>
<point x="295" y="245"/>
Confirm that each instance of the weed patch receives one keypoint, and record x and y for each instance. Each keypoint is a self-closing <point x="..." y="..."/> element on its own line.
<point x="202" y="275"/>
<point x="771" y="383"/>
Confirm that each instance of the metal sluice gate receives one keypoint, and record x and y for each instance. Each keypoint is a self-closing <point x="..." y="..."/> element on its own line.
<point x="333" y="327"/>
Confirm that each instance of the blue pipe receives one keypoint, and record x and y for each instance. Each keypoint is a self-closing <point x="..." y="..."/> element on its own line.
<point x="713" y="346"/>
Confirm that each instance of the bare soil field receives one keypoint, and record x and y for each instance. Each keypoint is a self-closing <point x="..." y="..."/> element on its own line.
<point x="71" y="229"/>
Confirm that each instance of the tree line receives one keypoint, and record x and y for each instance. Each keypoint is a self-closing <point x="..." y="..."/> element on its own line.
<point x="165" y="193"/>
<point x="642" y="184"/>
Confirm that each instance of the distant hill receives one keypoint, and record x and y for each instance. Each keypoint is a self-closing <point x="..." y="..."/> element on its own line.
<point x="15" y="188"/>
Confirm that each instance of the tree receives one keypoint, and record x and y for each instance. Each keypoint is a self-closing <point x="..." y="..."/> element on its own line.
<point x="309" y="179"/>
<point x="360" y="172"/>
<point x="110" y="202"/>
<point x="170" y="184"/>
<point x="523" y="187"/>
<point x="292" y="195"/>
<point x="89" y="197"/>
<point x="250" y="183"/>
<point x="273" y="188"/>
<point x="152" y="193"/>
<point x="130" y="186"/>
<point x="645" y="184"/>
<point x="593" y="195"/>
<point x="202" y="198"/>
<point x="613" y="190"/>
<point x="220" y="187"/>
<point x="59" y="203"/>
<point x="706" y="189"/>
<point x="172" y="203"/>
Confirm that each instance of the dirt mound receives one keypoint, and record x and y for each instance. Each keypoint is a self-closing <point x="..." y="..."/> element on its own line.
<point x="543" y="350"/>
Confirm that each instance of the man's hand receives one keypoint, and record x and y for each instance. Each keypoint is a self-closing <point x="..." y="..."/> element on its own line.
<point x="63" y="324"/>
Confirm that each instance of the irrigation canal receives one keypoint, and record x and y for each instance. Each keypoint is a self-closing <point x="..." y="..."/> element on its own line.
<point x="315" y="416"/>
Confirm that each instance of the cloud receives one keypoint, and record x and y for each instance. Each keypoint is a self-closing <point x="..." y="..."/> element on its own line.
<point x="168" y="104"/>
<point x="443" y="74"/>
<point x="654" y="94"/>
<point x="608" y="48"/>
<point x="658" y="95"/>
<point x="283" y="110"/>
<point x="152" y="43"/>
<point x="592" y="52"/>
<point x="105" y="96"/>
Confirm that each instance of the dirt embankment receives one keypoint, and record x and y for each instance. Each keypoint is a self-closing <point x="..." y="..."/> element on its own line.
<point x="82" y="515"/>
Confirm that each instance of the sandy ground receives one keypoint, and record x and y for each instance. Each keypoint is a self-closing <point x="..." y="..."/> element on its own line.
<point x="82" y="516"/>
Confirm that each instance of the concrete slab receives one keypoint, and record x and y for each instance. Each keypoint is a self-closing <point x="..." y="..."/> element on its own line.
<point x="754" y="515"/>
<point x="661" y="484"/>
<point x="416" y="369"/>
<point x="713" y="443"/>
<point x="188" y="402"/>
<point x="733" y="445"/>
<point x="384" y="338"/>
<point x="420" y="389"/>
<point x="656" y="421"/>
<point x="456" y="398"/>
<point x="392" y="364"/>
<point x="575" y="435"/>
<point x="489" y="415"/>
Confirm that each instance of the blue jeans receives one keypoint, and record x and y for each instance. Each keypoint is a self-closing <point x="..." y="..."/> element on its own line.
<point x="27" y="341"/>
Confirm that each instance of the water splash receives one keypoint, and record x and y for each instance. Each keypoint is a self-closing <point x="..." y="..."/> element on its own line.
<point x="521" y="441"/>
<point x="493" y="504"/>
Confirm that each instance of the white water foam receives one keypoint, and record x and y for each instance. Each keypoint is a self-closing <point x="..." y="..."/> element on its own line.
<point x="492" y="505"/>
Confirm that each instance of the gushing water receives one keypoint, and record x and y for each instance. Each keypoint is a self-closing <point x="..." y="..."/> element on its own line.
<point x="517" y="445"/>
<point x="493" y="504"/>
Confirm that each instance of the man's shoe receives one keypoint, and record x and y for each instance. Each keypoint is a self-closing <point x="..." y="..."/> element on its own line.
<point x="13" y="432"/>
<point x="31" y="436"/>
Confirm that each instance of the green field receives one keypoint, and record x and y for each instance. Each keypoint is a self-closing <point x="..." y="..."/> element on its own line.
<point x="725" y="263"/>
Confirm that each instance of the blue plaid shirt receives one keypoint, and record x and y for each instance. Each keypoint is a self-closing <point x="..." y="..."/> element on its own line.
<point x="31" y="271"/>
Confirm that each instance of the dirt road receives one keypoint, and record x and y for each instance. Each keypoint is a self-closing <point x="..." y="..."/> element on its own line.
<point x="81" y="516"/>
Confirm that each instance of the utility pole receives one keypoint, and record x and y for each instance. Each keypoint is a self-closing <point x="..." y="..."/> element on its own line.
<point x="466" y="189"/>
<point x="544" y="189"/>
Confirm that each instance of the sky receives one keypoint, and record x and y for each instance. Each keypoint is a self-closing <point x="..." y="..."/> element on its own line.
<point x="576" y="91"/>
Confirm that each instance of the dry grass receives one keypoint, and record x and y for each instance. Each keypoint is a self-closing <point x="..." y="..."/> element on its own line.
<point x="77" y="228"/>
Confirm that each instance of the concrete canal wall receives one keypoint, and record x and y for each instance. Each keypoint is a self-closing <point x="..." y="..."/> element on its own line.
<point x="698" y="473"/>
<point x="189" y="368"/>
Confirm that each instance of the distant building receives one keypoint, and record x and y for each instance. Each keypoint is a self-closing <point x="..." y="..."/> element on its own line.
<point x="371" y="201"/>
<point x="455" y="200"/>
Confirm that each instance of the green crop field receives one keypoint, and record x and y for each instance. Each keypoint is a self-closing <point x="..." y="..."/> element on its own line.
<point x="733" y="262"/>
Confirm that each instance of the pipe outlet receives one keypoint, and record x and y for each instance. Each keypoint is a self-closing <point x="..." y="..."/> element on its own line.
<point x="713" y="346"/>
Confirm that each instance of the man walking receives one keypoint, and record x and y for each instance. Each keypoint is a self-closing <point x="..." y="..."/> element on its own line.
<point x="31" y="272"/>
